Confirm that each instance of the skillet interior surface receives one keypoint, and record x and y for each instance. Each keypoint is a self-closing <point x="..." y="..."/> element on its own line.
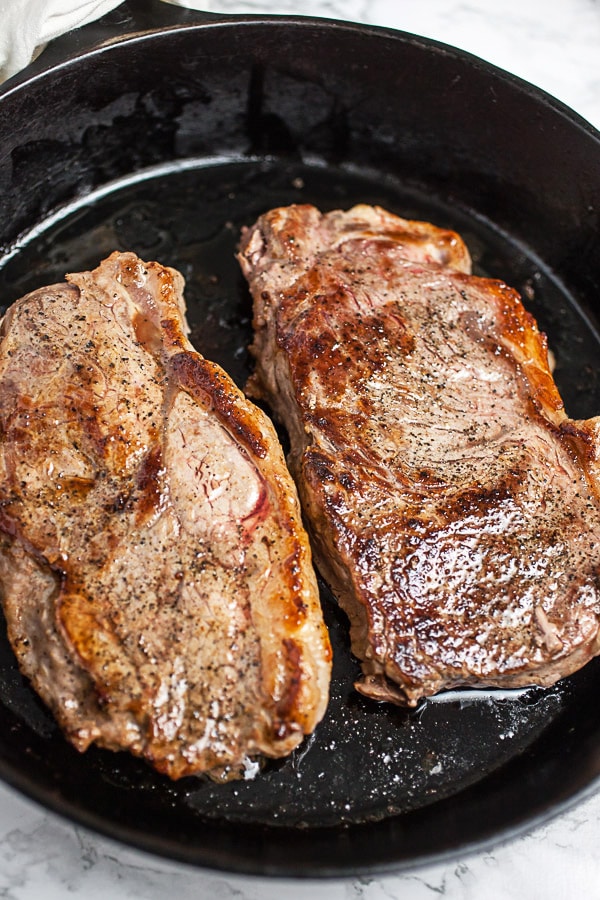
<point x="376" y="787"/>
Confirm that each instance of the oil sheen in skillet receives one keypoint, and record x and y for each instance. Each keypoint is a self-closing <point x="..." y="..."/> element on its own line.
<point x="364" y="761"/>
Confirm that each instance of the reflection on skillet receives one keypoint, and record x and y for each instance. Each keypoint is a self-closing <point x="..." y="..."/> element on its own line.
<point x="366" y="761"/>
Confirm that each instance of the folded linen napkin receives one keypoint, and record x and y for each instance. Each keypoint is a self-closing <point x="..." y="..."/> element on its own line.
<point x="27" y="25"/>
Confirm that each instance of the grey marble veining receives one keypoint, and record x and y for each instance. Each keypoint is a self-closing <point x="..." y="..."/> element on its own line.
<point x="555" y="45"/>
<point x="43" y="857"/>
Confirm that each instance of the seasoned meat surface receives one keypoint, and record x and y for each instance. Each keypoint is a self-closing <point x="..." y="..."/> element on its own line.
<point x="453" y="505"/>
<point x="155" y="574"/>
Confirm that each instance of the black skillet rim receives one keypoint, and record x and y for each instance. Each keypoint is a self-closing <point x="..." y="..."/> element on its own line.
<point x="250" y="862"/>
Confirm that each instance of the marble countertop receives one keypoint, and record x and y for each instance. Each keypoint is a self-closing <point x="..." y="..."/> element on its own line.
<point x="553" y="44"/>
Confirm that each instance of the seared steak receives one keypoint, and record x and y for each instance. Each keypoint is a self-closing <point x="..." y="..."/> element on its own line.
<point x="453" y="506"/>
<point x="156" y="578"/>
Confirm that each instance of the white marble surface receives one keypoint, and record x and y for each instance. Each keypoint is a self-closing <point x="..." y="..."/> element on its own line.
<point x="555" y="44"/>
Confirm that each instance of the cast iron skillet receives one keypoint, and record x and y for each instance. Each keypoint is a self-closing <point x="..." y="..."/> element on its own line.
<point x="169" y="134"/>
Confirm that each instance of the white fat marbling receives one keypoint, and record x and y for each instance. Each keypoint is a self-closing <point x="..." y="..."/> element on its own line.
<point x="555" y="44"/>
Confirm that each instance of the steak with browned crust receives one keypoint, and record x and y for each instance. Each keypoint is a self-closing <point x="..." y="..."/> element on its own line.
<point x="453" y="505"/>
<point x="155" y="575"/>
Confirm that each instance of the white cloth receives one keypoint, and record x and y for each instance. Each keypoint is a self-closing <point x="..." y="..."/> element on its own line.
<point x="26" y="26"/>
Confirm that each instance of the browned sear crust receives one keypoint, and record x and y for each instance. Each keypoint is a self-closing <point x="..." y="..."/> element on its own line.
<point x="453" y="505"/>
<point x="155" y="574"/>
